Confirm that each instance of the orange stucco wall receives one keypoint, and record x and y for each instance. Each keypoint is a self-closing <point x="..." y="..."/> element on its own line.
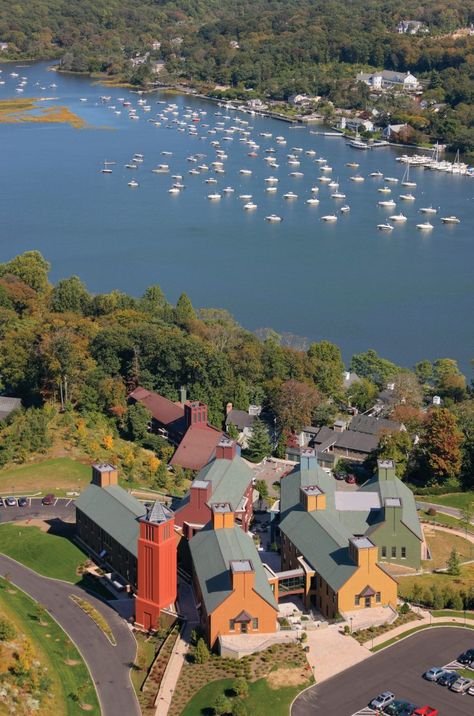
<point x="242" y="598"/>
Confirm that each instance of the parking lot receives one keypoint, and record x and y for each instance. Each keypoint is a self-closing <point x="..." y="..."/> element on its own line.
<point x="399" y="669"/>
<point x="62" y="508"/>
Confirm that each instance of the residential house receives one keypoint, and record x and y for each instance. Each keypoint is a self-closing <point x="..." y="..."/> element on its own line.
<point x="184" y="424"/>
<point x="356" y="124"/>
<point x="388" y="79"/>
<point x="233" y="590"/>
<point x="8" y="406"/>
<point x="225" y="479"/>
<point x="242" y="420"/>
<point x="3" y="46"/>
<point x="412" y="27"/>
<point x="392" y="131"/>
<point x="338" y="540"/>
<point x="137" y="544"/>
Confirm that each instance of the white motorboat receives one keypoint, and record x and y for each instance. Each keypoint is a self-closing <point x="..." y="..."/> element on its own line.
<point x="271" y="180"/>
<point x="133" y="183"/>
<point x="315" y="189"/>
<point x="246" y="172"/>
<point x="174" y="190"/>
<point x="398" y="217"/>
<point x="425" y="226"/>
<point x="324" y="180"/>
<point x="387" y="203"/>
<point x="345" y="209"/>
<point x="228" y="190"/>
<point x="214" y="197"/>
<point x="450" y="220"/>
<point x="428" y="210"/>
<point x="271" y="189"/>
<point x="131" y="166"/>
<point x="391" y="180"/>
<point x="245" y="197"/>
<point x="329" y="217"/>
<point x="407" y="197"/>
<point x="352" y="165"/>
<point x="249" y="206"/>
<point x="290" y="195"/>
<point x="385" y="227"/>
<point x="384" y="190"/>
<point x="296" y="174"/>
<point x="338" y="195"/>
<point x="376" y="174"/>
<point x="161" y="169"/>
<point x="357" y="178"/>
<point x="211" y="180"/>
<point x="273" y="218"/>
<point x="312" y="201"/>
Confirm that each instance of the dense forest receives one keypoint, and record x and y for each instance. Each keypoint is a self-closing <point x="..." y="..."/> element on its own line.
<point x="272" y="47"/>
<point x="67" y="352"/>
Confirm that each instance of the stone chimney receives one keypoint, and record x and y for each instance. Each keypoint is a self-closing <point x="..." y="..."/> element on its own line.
<point x="226" y="449"/>
<point x="104" y="475"/>
<point x="312" y="498"/>
<point x="196" y="414"/>
<point x="222" y="516"/>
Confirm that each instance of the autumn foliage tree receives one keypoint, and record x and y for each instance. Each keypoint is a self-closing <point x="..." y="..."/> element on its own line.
<point x="441" y="445"/>
<point x="294" y="404"/>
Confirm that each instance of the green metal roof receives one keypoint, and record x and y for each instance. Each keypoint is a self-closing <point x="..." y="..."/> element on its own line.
<point x="115" y="511"/>
<point x="393" y="487"/>
<point x="230" y="479"/>
<point x="212" y="552"/>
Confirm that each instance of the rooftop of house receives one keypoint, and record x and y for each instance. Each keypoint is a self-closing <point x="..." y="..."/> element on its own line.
<point x="229" y="479"/>
<point x="163" y="410"/>
<point x="372" y="426"/>
<point x="8" y="405"/>
<point x="240" y="418"/>
<point x="323" y="536"/>
<point x="215" y="553"/>
<point x="197" y="447"/>
<point x="351" y="440"/>
<point x="115" y="511"/>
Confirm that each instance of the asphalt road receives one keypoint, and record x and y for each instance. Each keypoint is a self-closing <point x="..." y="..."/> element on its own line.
<point x="109" y="665"/>
<point x="62" y="509"/>
<point x="453" y="511"/>
<point x="398" y="669"/>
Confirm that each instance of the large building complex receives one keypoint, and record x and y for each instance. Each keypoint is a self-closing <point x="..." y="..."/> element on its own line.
<point x="137" y="544"/>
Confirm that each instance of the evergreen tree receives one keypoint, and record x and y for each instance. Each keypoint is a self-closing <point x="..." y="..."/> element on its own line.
<point x="138" y="420"/>
<point x="232" y="431"/>
<point x="259" y="442"/>
<point x="240" y="687"/>
<point x="70" y="295"/>
<point x="184" y="310"/>
<point x="201" y="653"/>
<point x="454" y="563"/>
<point x="222" y="705"/>
<point x="238" y="708"/>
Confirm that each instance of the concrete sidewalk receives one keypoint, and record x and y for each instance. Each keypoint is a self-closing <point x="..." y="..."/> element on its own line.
<point x="331" y="652"/>
<point x="187" y="608"/>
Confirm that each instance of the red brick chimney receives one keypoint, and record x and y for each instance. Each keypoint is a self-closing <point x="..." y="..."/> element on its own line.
<point x="226" y="449"/>
<point x="196" y="414"/>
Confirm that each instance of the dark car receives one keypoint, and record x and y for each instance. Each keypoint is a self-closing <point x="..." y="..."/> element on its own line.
<point x="399" y="708"/>
<point x="447" y="678"/>
<point x="48" y="499"/>
<point x="467" y="658"/>
<point x="22" y="501"/>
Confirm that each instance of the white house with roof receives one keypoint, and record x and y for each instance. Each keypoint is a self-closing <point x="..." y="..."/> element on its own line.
<point x="388" y="79"/>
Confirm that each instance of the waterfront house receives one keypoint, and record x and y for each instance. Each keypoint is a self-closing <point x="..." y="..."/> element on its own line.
<point x="388" y="79"/>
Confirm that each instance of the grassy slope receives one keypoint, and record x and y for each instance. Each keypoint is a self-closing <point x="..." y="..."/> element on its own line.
<point x="58" y="475"/>
<point x="441" y="544"/>
<point x="47" y="554"/>
<point x="454" y="499"/>
<point x="262" y="700"/>
<point x="442" y="581"/>
<point x="446" y="520"/>
<point x="52" y="651"/>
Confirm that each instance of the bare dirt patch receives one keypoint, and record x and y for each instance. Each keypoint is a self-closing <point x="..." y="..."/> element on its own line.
<point x="41" y="524"/>
<point x="71" y="662"/>
<point x="286" y="677"/>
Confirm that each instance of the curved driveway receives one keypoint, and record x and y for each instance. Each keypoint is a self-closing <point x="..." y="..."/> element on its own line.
<point x="109" y="665"/>
<point x="399" y="669"/>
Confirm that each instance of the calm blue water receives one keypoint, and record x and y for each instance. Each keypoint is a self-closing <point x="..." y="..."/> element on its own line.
<point x="408" y="295"/>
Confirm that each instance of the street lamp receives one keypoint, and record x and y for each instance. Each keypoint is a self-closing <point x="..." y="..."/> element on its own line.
<point x="350" y="619"/>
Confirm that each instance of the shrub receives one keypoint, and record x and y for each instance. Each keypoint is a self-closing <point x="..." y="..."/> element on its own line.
<point x="201" y="654"/>
<point x="240" y="688"/>
<point x="432" y="512"/>
<point x="238" y="708"/>
<point x="405" y="608"/>
<point x="7" y="630"/>
<point x="222" y="705"/>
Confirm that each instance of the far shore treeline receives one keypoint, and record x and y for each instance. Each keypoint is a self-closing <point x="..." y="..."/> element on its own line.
<point x="73" y="357"/>
<point x="253" y="48"/>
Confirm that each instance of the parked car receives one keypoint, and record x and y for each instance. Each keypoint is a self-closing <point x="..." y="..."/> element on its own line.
<point x="22" y="501"/>
<point x="350" y="479"/>
<point x="447" y="678"/>
<point x="48" y="499"/>
<point x="398" y="707"/>
<point x="2" y="504"/>
<point x="426" y="711"/>
<point x="467" y="658"/>
<point x="10" y="501"/>
<point x="382" y="700"/>
<point x="461" y="685"/>
<point x="434" y="673"/>
<point x="470" y="690"/>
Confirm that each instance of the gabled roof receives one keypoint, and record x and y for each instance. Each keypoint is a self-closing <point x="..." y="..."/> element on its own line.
<point x="240" y="418"/>
<point x="212" y="551"/>
<point x="197" y="447"/>
<point x="372" y="426"/>
<point x="163" y="410"/>
<point x="115" y="511"/>
<point x="395" y="488"/>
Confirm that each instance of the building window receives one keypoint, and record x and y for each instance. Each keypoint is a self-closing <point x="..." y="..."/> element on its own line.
<point x="378" y="597"/>
<point x="255" y="623"/>
<point x="404" y="552"/>
<point x="356" y="600"/>
<point x="231" y="625"/>
<point x="394" y="552"/>
<point x="384" y="551"/>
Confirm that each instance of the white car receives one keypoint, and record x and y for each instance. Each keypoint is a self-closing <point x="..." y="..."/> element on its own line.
<point x="434" y="673"/>
<point x="382" y="700"/>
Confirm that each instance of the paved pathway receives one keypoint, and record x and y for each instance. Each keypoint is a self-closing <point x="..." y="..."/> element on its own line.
<point x="331" y="652"/>
<point x="108" y="665"/>
<point x="187" y="608"/>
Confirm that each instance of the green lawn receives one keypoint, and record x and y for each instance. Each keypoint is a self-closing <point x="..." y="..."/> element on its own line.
<point x="53" y="649"/>
<point x="58" y="475"/>
<point x="452" y="613"/>
<point x="446" y="520"/>
<point x="452" y="499"/>
<point x="441" y="544"/>
<point x="394" y="639"/>
<point x="442" y="580"/>
<point x="262" y="700"/>
<point x="47" y="554"/>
